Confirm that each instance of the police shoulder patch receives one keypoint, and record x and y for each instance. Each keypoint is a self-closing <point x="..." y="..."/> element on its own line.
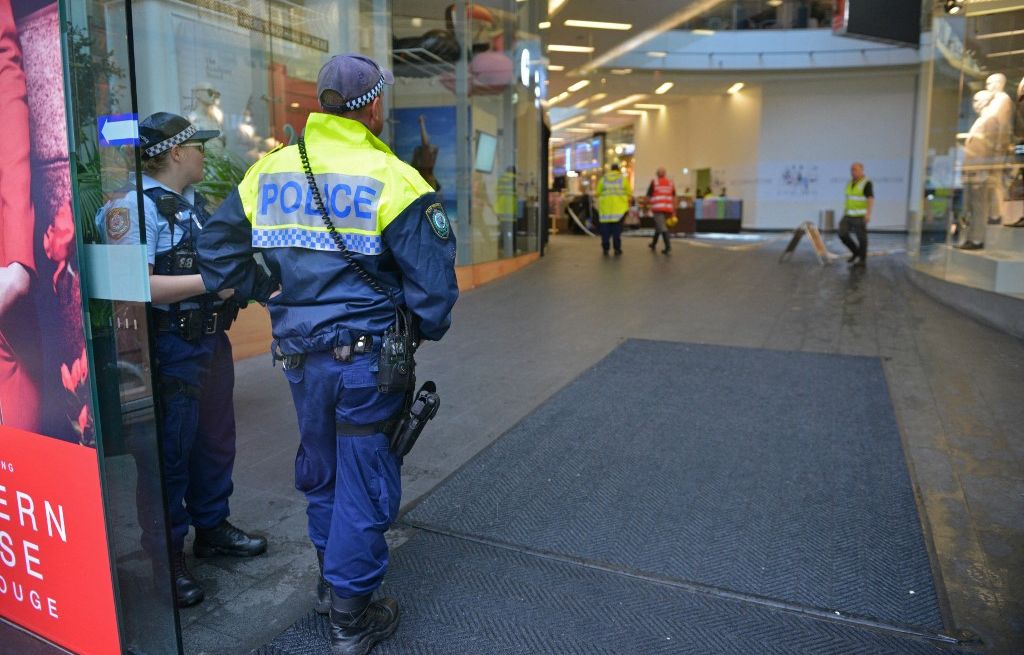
<point x="118" y="222"/>
<point x="439" y="221"/>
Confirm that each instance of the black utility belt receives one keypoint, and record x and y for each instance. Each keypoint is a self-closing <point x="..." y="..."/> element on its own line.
<point x="194" y="323"/>
<point x="361" y="344"/>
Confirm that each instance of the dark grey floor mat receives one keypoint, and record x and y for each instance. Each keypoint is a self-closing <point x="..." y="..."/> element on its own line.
<point x="464" y="598"/>
<point x="774" y="474"/>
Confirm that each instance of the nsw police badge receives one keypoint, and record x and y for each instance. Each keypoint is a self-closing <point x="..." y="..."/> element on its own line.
<point x="117" y="221"/>
<point x="439" y="221"/>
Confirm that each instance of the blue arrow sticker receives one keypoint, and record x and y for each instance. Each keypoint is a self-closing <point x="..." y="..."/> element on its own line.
<point x="118" y="129"/>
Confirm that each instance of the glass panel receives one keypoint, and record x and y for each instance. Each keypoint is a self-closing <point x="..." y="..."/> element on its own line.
<point x="970" y="231"/>
<point x="100" y="87"/>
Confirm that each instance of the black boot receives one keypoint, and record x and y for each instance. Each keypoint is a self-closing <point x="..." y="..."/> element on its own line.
<point x="323" y="590"/>
<point x="357" y="625"/>
<point x="187" y="590"/>
<point x="226" y="539"/>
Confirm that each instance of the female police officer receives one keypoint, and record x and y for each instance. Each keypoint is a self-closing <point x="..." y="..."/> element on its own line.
<point x="194" y="366"/>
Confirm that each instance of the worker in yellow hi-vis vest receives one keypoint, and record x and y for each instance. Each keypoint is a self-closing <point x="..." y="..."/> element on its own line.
<point x="860" y="200"/>
<point x="505" y="208"/>
<point x="613" y="195"/>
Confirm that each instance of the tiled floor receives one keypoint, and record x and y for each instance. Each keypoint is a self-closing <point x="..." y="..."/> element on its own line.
<point x="955" y="385"/>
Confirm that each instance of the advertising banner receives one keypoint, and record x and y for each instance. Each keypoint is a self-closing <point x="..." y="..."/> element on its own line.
<point x="55" y="576"/>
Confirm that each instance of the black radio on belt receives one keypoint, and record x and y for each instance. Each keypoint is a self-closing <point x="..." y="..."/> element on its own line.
<point x="185" y="259"/>
<point x="397" y="366"/>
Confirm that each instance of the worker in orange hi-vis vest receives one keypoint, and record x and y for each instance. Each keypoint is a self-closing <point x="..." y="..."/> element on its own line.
<point x="662" y="193"/>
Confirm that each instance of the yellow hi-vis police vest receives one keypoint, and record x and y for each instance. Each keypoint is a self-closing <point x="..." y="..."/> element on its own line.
<point x="613" y="192"/>
<point x="856" y="201"/>
<point x="363" y="189"/>
<point x="505" y="206"/>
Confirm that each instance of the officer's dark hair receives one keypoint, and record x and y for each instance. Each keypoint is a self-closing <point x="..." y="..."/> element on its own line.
<point x="153" y="165"/>
<point x="334" y="99"/>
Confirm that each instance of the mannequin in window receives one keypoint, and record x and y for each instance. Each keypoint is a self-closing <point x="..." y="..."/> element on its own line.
<point x="979" y="152"/>
<point x="206" y="113"/>
<point x="1001" y="109"/>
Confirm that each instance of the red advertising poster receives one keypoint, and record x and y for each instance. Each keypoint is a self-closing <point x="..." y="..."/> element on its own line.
<point x="54" y="564"/>
<point x="54" y="577"/>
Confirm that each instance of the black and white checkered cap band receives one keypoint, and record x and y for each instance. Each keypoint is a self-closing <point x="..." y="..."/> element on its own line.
<point x="366" y="98"/>
<point x="167" y="144"/>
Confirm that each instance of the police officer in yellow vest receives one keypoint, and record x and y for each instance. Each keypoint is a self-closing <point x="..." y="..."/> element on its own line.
<point x="860" y="199"/>
<point x="613" y="196"/>
<point x="505" y="208"/>
<point x="328" y="320"/>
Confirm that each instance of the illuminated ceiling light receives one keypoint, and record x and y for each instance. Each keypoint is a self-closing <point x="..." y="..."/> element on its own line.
<point x="663" y="89"/>
<point x="953" y="7"/>
<point x="416" y="22"/>
<point x="735" y="88"/>
<point x="1005" y="54"/>
<point x="579" y="85"/>
<point x="554" y="47"/>
<point x="691" y="11"/>
<point x="774" y="3"/>
<point x="994" y="35"/>
<point x="579" y="130"/>
<point x="703" y="32"/>
<point x="598" y="25"/>
<point x="657" y="54"/>
<point x="294" y="105"/>
<point x="586" y="101"/>
<point x="595" y="126"/>
<point x="567" y="122"/>
<point x="641" y="105"/>
<point x="621" y="103"/>
<point x="621" y="71"/>
<point x="543" y="25"/>
<point x="555" y="5"/>
<point x="555" y="139"/>
<point x="633" y="112"/>
<point x="559" y="98"/>
<point x="555" y="67"/>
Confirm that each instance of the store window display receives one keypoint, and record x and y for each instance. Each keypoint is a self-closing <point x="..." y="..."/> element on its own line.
<point x="973" y="210"/>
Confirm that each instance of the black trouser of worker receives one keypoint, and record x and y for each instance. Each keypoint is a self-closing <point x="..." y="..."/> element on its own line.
<point x="611" y="234"/>
<point x="661" y="229"/>
<point x="859" y="227"/>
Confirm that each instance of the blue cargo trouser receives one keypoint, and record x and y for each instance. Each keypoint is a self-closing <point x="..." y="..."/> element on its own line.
<point x="352" y="484"/>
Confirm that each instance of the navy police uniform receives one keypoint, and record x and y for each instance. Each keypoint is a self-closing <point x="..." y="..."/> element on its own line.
<point x="195" y="372"/>
<point x="328" y="322"/>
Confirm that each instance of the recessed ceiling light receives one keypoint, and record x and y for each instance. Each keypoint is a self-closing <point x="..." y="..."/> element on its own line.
<point x="555" y="5"/>
<point x="621" y="71"/>
<point x="735" y="88"/>
<point x="598" y="25"/>
<point x="567" y="122"/>
<point x="579" y="85"/>
<point x="648" y="106"/>
<point x="636" y="97"/>
<point x="664" y="88"/>
<point x="554" y="47"/>
<point x="559" y="98"/>
<point x="595" y="126"/>
<point x="774" y="3"/>
<point x="703" y="32"/>
<point x="416" y="21"/>
<point x="1005" y="54"/>
<point x="633" y="112"/>
<point x="555" y="67"/>
<point x="579" y="130"/>
<point x="586" y="101"/>
<point x="657" y="54"/>
<point x="993" y="35"/>
<point x="543" y="25"/>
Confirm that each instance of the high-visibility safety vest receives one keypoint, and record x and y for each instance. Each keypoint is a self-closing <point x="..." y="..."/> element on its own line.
<point x="856" y="201"/>
<point x="613" y="193"/>
<point x="505" y="206"/>
<point x="661" y="198"/>
<point x="386" y="215"/>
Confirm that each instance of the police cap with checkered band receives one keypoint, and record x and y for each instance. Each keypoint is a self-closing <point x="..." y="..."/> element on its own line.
<point x="357" y="79"/>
